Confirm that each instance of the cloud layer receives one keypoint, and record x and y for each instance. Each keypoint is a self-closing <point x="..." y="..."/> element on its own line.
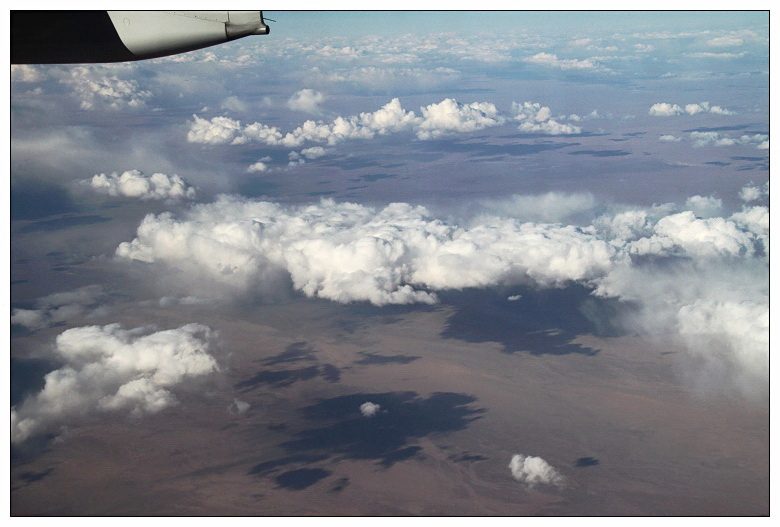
<point x="434" y="121"/>
<point x="110" y="369"/>
<point x="662" y="259"/>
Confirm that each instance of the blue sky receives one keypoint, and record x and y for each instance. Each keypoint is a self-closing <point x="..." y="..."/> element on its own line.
<point x="394" y="22"/>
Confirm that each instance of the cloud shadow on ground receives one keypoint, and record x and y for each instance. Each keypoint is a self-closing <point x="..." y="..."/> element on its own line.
<point x="65" y="222"/>
<point x="600" y="153"/>
<point x="539" y="322"/>
<point x="341" y="431"/>
<point x="493" y="150"/>
<point x="295" y="352"/>
<point x="373" y="359"/>
<point x="586" y="462"/>
<point x="386" y="436"/>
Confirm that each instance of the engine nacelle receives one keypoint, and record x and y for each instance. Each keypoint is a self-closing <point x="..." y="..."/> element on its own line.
<point x="67" y="37"/>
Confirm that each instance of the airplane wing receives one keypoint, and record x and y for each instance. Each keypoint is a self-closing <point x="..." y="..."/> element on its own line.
<point x="68" y="37"/>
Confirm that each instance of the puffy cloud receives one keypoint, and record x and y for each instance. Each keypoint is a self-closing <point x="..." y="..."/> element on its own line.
<point x="306" y="100"/>
<point x="97" y="88"/>
<point x="401" y="254"/>
<point x="26" y="73"/>
<point x="685" y="234"/>
<point x="217" y="131"/>
<point x="535" y="118"/>
<point x="664" y="109"/>
<point x="752" y="193"/>
<point x="704" y="206"/>
<point x="347" y="252"/>
<point x="670" y="139"/>
<point x="134" y="184"/>
<point x="448" y="116"/>
<point x="451" y="116"/>
<point x="260" y="165"/>
<point x="369" y="409"/>
<point x="533" y="471"/>
<point x="548" y="59"/>
<point x="61" y="307"/>
<point x="109" y="369"/>
<point x="700" y="139"/>
<point x="314" y="152"/>
<point x="694" y="108"/>
<point x="756" y="221"/>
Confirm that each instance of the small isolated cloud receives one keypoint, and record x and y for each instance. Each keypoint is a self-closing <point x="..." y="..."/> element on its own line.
<point x="369" y="409"/>
<point x="134" y="184"/>
<point x="238" y="406"/>
<point x="537" y="119"/>
<point x="61" y="307"/>
<point x="514" y="298"/>
<point x="532" y="471"/>
<point x="314" y="152"/>
<point x="751" y="192"/>
<point x="307" y="101"/>
<point x="260" y="165"/>
<point x="110" y="369"/>
<point x="670" y="139"/>
<point x="233" y="104"/>
<point x="548" y="59"/>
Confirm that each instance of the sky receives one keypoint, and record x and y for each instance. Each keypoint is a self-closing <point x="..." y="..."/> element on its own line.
<point x="383" y="160"/>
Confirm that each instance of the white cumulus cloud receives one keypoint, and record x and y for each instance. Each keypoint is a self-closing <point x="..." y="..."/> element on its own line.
<point x="665" y="109"/>
<point x="134" y="184"/>
<point x="402" y="254"/>
<point x="109" y="369"/>
<point x="436" y="120"/>
<point x="450" y="116"/>
<point x="535" y="118"/>
<point x="101" y="87"/>
<point x="533" y="471"/>
<point x="306" y="100"/>
<point x="752" y="193"/>
<point x="369" y="409"/>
